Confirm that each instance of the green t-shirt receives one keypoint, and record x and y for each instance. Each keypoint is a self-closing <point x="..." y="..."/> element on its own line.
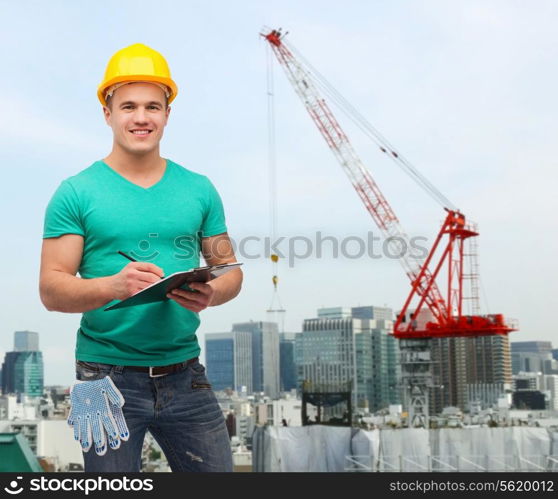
<point x="162" y="225"/>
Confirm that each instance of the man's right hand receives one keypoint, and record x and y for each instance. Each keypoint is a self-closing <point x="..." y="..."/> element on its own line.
<point x="133" y="278"/>
<point x="63" y="291"/>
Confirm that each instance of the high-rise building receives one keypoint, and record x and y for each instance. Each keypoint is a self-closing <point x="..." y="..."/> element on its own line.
<point x="287" y="365"/>
<point x="542" y="347"/>
<point x="460" y="362"/>
<point x="26" y="341"/>
<point x="533" y="356"/>
<point x="550" y="386"/>
<point x="488" y="362"/>
<point x="372" y="312"/>
<point x="325" y="352"/>
<point x="219" y="360"/>
<point x="246" y="359"/>
<point x="243" y="361"/>
<point x="8" y="372"/>
<point x="29" y="373"/>
<point x="334" y="313"/>
<point x="265" y="355"/>
<point x="462" y="368"/>
<point x="386" y="368"/>
<point x="228" y="358"/>
<point x="23" y="373"/>
<point x="336" y="350"/>
<point x="22" y="370"/>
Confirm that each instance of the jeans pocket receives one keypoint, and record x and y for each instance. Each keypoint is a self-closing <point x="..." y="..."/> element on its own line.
<point x="199" y="379"/>
<point x="200" y="384"/>
<point x="91" y="371"/>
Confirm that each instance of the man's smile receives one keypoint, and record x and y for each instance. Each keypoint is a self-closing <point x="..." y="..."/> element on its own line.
<point x="141" y="131"/>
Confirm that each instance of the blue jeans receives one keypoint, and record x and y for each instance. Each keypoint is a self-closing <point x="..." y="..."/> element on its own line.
<point x="180" y="411"/>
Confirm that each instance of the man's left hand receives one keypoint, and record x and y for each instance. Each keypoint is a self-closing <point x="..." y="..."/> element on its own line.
<point x="196" y="300"/>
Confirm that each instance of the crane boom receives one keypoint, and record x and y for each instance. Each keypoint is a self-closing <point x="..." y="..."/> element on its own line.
<point x="447" y="316"/>
<point x="360" y="177"/>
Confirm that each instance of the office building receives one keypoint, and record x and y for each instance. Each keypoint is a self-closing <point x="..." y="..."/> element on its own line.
<point x="228" y="358"/>
<point x="541" y="347"/>
<point x="219" y="360"/>
<point x="23" y="369"/>
<point x="246" y="359"/>
<point x="334" y="313"/>
<point x="463" y="366"/>
<point x="8" y="372"/>
<point x="28" y="373"/>
<point x="265" y="355"/>
<point x="550" y="387"/>
<point x="466" y="371"/>
<point x="371" y="312"/>
<point x="338" y="349"/>
<point x="287" y="365"/>
<point x="26" y="341"/>
<point x="385" y="372"/>
<point x="23" y="373"/>
<point x="533" y="356"/>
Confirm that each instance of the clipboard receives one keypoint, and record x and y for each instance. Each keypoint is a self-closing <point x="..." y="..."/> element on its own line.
<point x="158" y="290"/>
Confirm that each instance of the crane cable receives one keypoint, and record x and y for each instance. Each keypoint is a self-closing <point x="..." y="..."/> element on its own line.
<point x="275" y="301"/>
<point x="370" y="131"/>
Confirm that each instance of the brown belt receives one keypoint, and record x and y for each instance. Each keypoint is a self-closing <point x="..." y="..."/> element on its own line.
<point x="162" y="370"/>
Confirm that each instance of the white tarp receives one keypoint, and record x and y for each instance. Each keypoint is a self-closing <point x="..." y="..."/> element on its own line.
<point x="405" y="449"/>
<point x="365" y="449"/>
<point x="472" y="449"/>
<point x="327" y="448"/>
<point x="304" y="448"/>
<point x="527" y="446"/>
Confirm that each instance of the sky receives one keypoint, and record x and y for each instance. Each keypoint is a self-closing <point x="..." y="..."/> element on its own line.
<point x="464" y="89"/>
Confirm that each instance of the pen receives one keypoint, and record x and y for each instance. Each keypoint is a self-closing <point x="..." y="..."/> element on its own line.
<point x="126" y="256"/>
<point x="129" y="258"/>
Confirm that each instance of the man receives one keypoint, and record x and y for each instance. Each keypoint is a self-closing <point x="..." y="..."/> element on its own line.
<point x="137" y="367"/>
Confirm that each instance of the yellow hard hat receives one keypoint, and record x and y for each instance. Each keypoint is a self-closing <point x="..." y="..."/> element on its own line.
<point x="137" y="62"/>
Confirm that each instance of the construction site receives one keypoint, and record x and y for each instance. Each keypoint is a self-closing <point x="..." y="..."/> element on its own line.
<point x="441" y="333"/>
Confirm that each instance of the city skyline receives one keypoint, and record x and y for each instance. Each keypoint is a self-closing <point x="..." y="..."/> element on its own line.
<point x="463" y="90"/>
<point x="35" y="340"/>
<point x="348" y="347"/>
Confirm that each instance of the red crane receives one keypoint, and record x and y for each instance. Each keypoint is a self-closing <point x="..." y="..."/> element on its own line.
<point x="446" y="310"/>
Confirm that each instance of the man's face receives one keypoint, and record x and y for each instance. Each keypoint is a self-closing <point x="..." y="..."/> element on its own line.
<point x="137" y="117"/>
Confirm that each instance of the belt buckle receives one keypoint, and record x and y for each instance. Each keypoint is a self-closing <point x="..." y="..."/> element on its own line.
<point x="151" y="375"/>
